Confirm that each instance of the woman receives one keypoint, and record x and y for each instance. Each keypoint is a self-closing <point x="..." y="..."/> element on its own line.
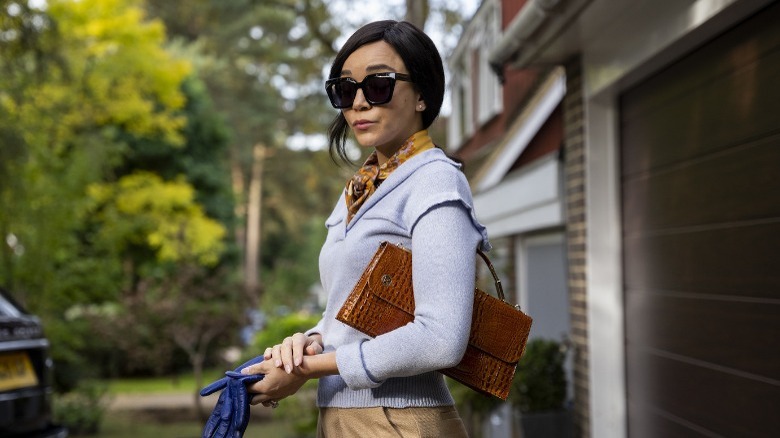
<point x="388" y="81"/>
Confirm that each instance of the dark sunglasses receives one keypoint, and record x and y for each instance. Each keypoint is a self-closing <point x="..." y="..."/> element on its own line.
<point x="377" y="89"/>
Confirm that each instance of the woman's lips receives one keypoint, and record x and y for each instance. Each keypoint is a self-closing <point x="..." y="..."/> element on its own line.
<point x="362" y="124"/>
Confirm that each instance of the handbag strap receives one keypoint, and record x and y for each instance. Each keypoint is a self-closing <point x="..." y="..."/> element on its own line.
<point x="499" y="288"/>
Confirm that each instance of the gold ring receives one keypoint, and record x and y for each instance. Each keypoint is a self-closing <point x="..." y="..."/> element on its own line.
<point x="274" y="404"/>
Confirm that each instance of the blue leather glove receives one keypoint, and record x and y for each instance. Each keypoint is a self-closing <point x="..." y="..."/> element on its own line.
<point x="230" y="416"/>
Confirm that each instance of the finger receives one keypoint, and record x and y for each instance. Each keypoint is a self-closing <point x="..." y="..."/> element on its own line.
<point x="259" y="368"/>
<point x="214" y="422"/>
<point x="237" y="402"/>
<point x="222" y="429"/>
<point x="268" y="353"/>
<point x="299" y="341"/>
<point x="253" y="361"/>
<point x="313" y="348"/>
<point x="287" y="354"/>
<point x="277" y="355"/>
<point x="214" y="387"/>
<point x="225" y="412"/>
<point x="241" y="407"/>
<point x="263" y="399"/>
<point x="256" y="388"/>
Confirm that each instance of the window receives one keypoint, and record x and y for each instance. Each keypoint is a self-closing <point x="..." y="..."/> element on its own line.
<point x="488" y="86"/>
<point x="475" y="90"/>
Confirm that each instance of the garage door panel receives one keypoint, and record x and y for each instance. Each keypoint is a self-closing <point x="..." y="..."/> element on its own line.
<point x="711" y="62"/>
<point x="653" y="424"/>
<point x="734" y="109"/>
<point x="700" y="167"/>
<point x="714" y="330"/>
<point x="739" y="261"/>
<point x="727" y="187"/>
<point x="703" y="397"/>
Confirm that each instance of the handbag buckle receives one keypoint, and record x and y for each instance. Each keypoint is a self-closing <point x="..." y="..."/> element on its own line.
<point x="387" y="280"/>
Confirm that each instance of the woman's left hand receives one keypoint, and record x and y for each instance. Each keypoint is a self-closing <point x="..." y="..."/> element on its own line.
<point x="289" y="354"/>
<point x="276" y="385"/>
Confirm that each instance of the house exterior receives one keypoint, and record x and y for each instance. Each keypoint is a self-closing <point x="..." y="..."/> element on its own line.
<point x="625" y="157"/>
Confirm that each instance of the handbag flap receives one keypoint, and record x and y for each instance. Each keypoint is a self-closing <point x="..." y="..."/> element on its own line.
<point x="498" y="329"/>
<point x="391" y="277"/>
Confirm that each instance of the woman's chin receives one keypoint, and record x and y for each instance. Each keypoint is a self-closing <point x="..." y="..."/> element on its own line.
<point x="366" y="139"/>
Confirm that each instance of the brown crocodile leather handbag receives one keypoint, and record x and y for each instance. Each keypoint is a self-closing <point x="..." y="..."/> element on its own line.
<point x="382" y="300"/>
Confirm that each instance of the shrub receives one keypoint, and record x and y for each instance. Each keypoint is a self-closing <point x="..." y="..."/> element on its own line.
<point x="540" y="382"/>
<point x="82" y="409"/>
<point x="279" y="328"/>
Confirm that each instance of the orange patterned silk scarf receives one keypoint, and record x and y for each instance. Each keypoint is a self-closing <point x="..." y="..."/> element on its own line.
<point x="364" y="183"/>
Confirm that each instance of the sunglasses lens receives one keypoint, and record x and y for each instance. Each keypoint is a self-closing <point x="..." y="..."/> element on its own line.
<point x="378" y="90"/>
<point x="342" y="93"/>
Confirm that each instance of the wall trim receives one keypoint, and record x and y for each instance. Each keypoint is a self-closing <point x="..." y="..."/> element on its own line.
<point x="523" y="129"/>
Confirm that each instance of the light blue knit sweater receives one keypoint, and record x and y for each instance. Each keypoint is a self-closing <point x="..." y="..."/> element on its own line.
<point x="424" y="205"/>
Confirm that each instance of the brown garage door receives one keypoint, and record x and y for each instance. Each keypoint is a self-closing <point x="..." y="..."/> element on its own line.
<point x="700" y="147"/>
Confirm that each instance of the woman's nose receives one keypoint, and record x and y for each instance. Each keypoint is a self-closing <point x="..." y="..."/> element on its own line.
<point x="360" y="101"/>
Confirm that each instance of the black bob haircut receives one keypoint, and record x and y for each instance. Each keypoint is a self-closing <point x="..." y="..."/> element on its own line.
<point x="418" y="53"/>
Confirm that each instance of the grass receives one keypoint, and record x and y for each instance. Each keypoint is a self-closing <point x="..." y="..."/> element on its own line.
<point x="161" y="385"/>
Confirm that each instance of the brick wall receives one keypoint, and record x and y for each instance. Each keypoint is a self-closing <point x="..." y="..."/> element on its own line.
<point x="576" y="231"/>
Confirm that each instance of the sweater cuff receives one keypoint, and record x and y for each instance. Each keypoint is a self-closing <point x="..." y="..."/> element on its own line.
<point x="316" y="329"/>
<point x="352" y="367"/>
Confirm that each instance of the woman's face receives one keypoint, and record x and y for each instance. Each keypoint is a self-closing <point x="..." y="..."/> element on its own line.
<point x="386" y="126"/>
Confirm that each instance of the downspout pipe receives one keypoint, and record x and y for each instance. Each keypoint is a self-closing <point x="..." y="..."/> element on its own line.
<point x="531" y="17"/>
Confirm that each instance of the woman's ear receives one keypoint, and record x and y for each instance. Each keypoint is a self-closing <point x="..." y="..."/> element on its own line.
<point x="420" y="104"/>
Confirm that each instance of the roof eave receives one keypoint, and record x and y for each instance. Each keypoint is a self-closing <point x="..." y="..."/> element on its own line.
<point x="537" y="24"/>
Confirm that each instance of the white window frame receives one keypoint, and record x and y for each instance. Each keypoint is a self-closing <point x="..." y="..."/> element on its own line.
<point x="490" y="97"/>
<point x="476" y="92"/>
<point x="460" y="125"/>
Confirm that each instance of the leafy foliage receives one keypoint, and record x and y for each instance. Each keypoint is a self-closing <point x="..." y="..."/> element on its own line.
<point x="129" y="79"/>
<point x="279" y="328"/>
<point x="142" y="210"/>
<point x="70" y="84"/>
<point x="88" y="92"/>
<point x="298" y="199"/>
<point x="82" y="410"/>
<point x="540" y="382"/>
<point x="262" y="62"/>
<point x="539" y="385"/>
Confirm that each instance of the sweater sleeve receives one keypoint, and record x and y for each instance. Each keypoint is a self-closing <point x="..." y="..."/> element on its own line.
<point x="444" y="240"/>
<point x="317" y="329"/>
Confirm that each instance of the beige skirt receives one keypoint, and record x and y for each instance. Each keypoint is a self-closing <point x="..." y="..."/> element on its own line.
<point x="436" y="422"/>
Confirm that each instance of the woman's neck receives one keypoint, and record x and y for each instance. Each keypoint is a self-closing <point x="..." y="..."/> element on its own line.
<point x="382" y="154"/>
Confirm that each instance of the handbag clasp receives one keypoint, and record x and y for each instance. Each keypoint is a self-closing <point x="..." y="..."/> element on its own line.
<point x="387" y="280"/>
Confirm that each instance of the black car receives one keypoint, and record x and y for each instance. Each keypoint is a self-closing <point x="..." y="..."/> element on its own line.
<point x="25" y="375"/>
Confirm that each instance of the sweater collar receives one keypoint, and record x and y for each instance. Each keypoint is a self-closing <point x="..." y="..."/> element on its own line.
<point x="400" y="175"/>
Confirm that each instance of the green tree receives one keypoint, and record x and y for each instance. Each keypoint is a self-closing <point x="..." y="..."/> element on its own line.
<point x="89" y="93"/>
<point x="71" y="81"/>
<point x="301" y="188"/>
<point x="141" y="213"/>
<point x="262" y="62"/>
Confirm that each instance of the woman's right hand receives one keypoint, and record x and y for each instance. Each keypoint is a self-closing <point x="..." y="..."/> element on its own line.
<point x="290" y="352"/>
